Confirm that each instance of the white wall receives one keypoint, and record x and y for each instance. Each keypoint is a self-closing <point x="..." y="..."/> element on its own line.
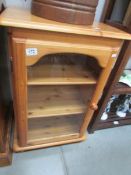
<point x="18" y="3"/>
<point x="99" y="10"/>
<point x="128" y="66"/>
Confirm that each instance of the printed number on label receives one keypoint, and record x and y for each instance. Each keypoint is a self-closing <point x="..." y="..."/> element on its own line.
<point x="31" y="51"/>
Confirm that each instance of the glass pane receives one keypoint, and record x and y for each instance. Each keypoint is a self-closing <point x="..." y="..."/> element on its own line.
<point x="60" y="88"/>
<point x="52" y="100"/>
<point x="62" y="69"/>
<point x="45" y="130"/>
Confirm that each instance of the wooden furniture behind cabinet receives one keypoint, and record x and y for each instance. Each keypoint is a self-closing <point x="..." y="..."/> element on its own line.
<point x="59" y="73"/>
<point x="6" y="109"/>
<point x="113" y="87"/>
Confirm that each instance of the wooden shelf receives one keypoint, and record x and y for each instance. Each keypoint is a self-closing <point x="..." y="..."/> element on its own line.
<point x="59" y="74"/>
<point x="46" y="130"/>
<point x="121" y="88"/>
<point x="45" y="101"/>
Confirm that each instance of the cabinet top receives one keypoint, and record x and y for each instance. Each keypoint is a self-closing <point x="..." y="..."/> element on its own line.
<point x="22" y="18"/>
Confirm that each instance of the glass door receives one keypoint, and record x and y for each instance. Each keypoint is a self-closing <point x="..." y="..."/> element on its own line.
<point x="60" y="87"/>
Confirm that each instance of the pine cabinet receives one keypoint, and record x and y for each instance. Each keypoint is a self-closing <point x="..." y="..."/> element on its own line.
<point x="59" y="72"/>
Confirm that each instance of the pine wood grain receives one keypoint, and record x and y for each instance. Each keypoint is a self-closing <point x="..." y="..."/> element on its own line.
<point x="22" y="18"/>
<point x="46" y="130"/>
<point x="55" y="100"/>
<point x="98" y="42"/>
<point x="20" y="91"/>
<point x="57" y="74"/>
<point x="17" y="148"/>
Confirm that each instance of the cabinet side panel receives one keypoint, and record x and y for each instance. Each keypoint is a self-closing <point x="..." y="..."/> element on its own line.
<point x="20" y="91"/>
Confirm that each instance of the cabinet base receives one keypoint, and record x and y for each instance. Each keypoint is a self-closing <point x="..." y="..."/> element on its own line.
<point x="16" y="148"/>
